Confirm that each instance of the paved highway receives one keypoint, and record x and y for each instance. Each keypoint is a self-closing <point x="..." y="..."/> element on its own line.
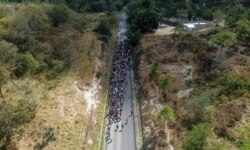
<point x="124" y="138"/>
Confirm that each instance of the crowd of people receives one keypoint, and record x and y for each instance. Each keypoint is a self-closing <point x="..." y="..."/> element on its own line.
<point x="118" y="84"/>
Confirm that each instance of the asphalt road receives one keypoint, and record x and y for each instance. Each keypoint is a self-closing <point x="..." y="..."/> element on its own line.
<point x="124" y="139"/>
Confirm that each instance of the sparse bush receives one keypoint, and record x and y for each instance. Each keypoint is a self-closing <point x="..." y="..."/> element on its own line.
<point x="59" y="14"/>
<point x="198" y="105"/>
<point x="162" y="143"/>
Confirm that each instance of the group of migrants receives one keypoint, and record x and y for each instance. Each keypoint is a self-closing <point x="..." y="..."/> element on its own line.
<point x="118" y="85"/>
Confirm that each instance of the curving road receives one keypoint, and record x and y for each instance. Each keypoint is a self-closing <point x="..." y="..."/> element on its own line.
<point x="124" y="139"/>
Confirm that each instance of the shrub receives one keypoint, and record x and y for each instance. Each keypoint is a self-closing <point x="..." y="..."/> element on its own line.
<point x="134" y="36"/>
<point x="197" y="138"/>
<point x="234" y="85"/>
<point x="198" y="105"/>
<point x="59" y="14"/>
<point x="166" y="83"/>
<point x="12" y="116"/>
<point x="8" y="52"/>
<point x="166" y="113"/>
<point x="225" y="39"/>
<point x="243" y="31"/>
<point x="154" y="70"/>
<point x="103" y="28"/>
<point x="58" y="65"/>
<point x="26" y="64"/>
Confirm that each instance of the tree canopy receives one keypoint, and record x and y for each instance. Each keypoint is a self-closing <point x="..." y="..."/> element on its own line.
<point x="225" y="39"/>
<point x="197" y="138"/>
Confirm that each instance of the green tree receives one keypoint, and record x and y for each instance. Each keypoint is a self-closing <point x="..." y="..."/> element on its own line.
<point x="243" y="30"/>
<point x="197" y="138"/>
<point x="59" y="14"/>
<point x="26" y="64"/>
<point x="103" y="28"/>
<point x="225" y="39"/>
<point x="144" y="19"/>
<point x="134" y="36"/>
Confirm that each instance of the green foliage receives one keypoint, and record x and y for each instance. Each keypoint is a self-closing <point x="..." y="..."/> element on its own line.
<point x="134" y="36"/>
<point x="26" y="64"/>
<point x="58" y="65"/>
<point x="144" y="19"/>
<point x="243" y="30"/>
<point x="14" y="115"/>
<point x="103" y="28"/>
<point x="197" y="138"/>
<point x="166" y="113"/>
<point x="234" y="85"/>
<point x="154" y="70"/>
<point x="245" y="145"/>
<point x="59" y="14"/>
<point x="166" y="83"/>
<point x="225" y="39"/>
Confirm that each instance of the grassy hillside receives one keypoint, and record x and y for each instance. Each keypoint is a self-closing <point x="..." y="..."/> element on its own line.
<point x="48" y="62"/>
<point x="194" y="86"/>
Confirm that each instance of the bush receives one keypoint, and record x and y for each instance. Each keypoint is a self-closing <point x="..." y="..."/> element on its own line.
<point x="167" y="113"/>
<point x="12" y="116"/>
<point x="134" y="36"/>
<point x="103" y="28"/>
<point x="233" y="85"/>
<point x="197" y="138"/>
<point x="225" y="39"/>
<point x="26" y="64"/>
<point x="243" y="31"/>
<point x="59" y="14"/>
<point x="58" y="65"/>
<point x="166" y="83"/>
<point x="8" y="52"/>
<point x="154" y="71"/>
<point x="198" y="105"/>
